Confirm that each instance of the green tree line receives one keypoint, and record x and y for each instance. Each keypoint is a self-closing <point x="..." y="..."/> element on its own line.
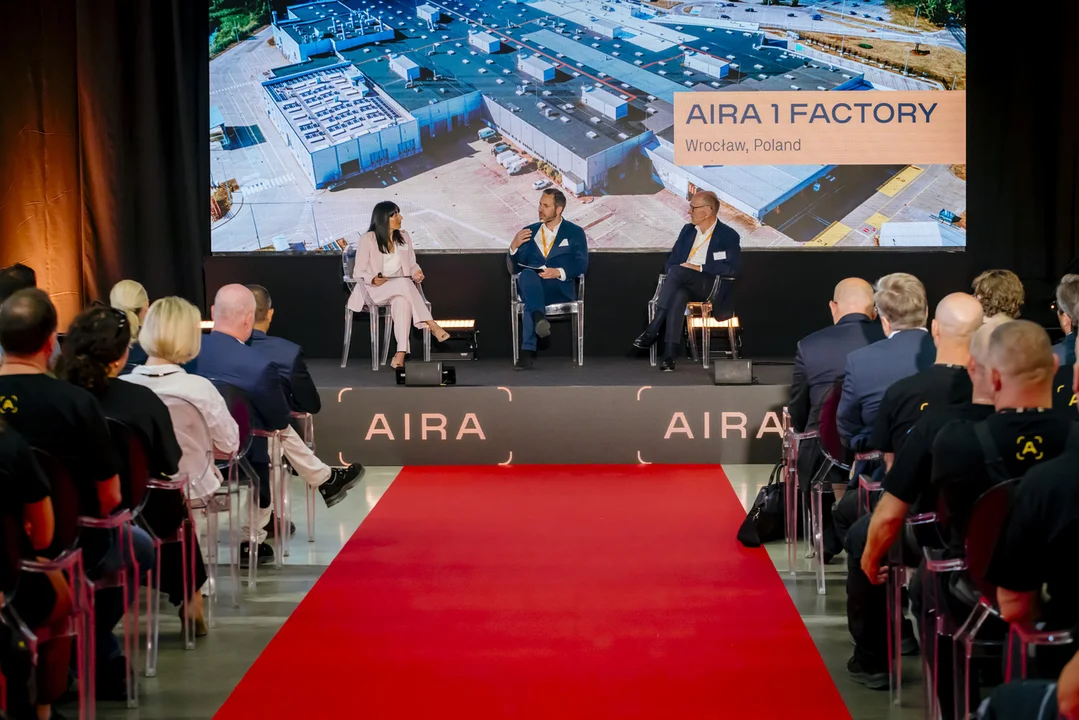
<point x="235" y="20"/>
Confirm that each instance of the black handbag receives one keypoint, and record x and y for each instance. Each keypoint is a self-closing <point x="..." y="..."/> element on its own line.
<point x="765" y="520"/>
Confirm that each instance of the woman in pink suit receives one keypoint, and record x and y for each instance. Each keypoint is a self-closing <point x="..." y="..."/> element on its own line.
<point x="386" y="265"/>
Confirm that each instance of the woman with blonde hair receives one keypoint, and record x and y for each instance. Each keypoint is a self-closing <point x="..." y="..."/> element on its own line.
<point x="131" y="297"/>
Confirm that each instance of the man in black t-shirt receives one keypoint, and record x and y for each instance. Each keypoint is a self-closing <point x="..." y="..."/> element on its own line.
<point x="67" y="422"/>
<point x="1024" y="431"/>
<point x="904" y="486"/>
<point x="41" y="599"/>
<point x="946" y="382"/>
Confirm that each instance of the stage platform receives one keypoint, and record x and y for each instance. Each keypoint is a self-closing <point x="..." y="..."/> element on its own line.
<point x="610" y="410"/>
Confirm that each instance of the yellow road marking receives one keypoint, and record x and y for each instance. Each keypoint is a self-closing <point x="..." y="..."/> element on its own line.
<point x="898" y="182"/>
<point x="830" y="235"/>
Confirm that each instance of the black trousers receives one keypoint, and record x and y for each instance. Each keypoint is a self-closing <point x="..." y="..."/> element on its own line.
<point x="681" y="286"/>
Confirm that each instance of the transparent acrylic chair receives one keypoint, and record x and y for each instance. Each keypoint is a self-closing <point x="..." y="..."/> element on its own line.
<point x="791" y="444"/>
<point x="374" y="314"/>
<point x="307" y="432"/>
<point x="699" y="316"/>
<point x="69" y="563"/>
<point x="570" y="308"/>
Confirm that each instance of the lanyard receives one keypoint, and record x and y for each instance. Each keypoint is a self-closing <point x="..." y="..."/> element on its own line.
<point x="543" y="240"/>
<point x="698" y="246"/>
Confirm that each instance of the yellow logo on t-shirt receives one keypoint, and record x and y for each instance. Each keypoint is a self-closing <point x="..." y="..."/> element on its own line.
<point x="1029" y="448"/>
<point x="922" y="406"/>
<point x="9" y="404"/>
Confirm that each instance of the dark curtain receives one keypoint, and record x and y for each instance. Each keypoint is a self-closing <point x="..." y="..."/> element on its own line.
<point x="104" y="146"/>
<point x="1023" y="145"/>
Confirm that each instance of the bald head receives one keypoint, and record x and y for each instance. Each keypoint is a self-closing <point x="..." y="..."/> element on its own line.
<point x="979" y="341"/>
<point x="1021" y="354"/>
<point x="958" y="315"/>
<point x="234" y="311"/>
<point x="852" y="295"/>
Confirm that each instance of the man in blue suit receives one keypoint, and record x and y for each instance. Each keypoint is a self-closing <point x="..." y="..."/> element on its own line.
<point x="225" y="357"/>
<point x="549" y="255"/>
<point x="822" y="357"/>
<point x="704" y="250"/>
<point x="287" y="357"/>
<point x="908" y="348"/>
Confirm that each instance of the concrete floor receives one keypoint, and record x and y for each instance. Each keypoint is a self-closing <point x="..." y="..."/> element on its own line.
<point x="194" y="684"/>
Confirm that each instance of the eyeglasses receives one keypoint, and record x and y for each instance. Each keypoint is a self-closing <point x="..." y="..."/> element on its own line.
<point x="120" y="315"/>
<point x="697" y="207"/>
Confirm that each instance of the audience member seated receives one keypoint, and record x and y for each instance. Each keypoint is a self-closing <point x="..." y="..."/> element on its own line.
<point x="1067" y="306"/>
<point x="704" y="249"/>
<point x="224" y="357"/>
<point x="14" y="278"/>
<point x="1000" y="292"/>
<point x="1037" y="699"/>
<point x="41" y="601"/>
<point x="93" y="355"/>
<point x="819" y="362"/>
<point x="386" y="265"/>
<point x="1022" y="432"/>
<point x="287" y="357"/>
<point x="131" y="297"/>
<point x="172" y="337"/>
<point x="67" y="422"/>
<point x="549" y="256"/>
<point x="945" y="382"/>
<point x="906" y="487"/>
<point x="870" y="371"/>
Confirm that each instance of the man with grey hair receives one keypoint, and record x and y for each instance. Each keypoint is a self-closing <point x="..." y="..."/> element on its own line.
<point x="906" y="486"/>
<point x="907" y="349"/>
<point x="1067" y="302"/>
<point x="224" y="358"/>
<point x="705" y="251"/>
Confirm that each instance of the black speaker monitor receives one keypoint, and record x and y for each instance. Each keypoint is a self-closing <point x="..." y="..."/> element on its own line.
<point x="733" y="372"/>
<point x="424" y="374"/>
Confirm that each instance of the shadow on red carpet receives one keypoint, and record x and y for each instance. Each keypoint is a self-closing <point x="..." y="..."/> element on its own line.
<point x="545" y="592"/>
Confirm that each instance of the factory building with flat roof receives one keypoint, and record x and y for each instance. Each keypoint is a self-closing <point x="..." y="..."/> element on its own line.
<point x="327" y="26"/>
<point x="337" y="123"/>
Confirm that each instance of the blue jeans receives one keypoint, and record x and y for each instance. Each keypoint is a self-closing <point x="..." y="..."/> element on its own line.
<point x="109" y="602"/>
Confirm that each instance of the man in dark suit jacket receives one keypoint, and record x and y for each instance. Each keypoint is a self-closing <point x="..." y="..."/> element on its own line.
<point x="908" y="348"/>
<point x="287" y="357"/>
<point x="225" y="357"/>
<point x="822" y="357"/>
<point x="549" y="255"/>
<point x="705" y="249"/>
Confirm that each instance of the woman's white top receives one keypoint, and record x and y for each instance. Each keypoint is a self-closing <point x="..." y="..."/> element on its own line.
<point x="200" y="392"/>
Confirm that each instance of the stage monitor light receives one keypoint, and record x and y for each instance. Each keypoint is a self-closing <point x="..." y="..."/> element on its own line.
<point x="206" y="325"/>
<point x="452" y="325"/>
<point x="697" y="322"/>
<point x="424" y="374"/>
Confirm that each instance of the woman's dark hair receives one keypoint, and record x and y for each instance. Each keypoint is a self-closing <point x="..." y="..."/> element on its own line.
<point x="380" y="225"/>
<point x="96" y="338"/>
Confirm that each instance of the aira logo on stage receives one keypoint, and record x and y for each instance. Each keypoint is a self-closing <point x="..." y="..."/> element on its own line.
<point x="729" y="424"/>
<point x="428" y="426"/>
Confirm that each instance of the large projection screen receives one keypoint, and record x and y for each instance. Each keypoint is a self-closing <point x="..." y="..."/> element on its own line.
<point x="462" y="112"/>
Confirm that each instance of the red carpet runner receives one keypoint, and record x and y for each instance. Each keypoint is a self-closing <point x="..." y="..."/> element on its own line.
<point x="545" y="592"/>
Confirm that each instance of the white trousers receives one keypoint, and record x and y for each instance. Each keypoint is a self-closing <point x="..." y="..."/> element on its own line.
<point x="407" y="307"/>
<point x="303" y="460"/>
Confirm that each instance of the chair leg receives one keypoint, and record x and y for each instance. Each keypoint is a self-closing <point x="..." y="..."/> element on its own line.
<point x="791" y="516"/>
<point x="312" y="496"/>
<point x="427" y="344"/>
<point x="252" y="532"/>
<point x="387" y="333"/>
<point x="374" y="339"/>
<point x="692" y="338"/>
<point x="515" y="331"/>
<point x="652" y="348"/>
<point x="212" y="549"/>
<point x="348" y="337"/>
<point x="706" y="342"/>
<point x="153" y="613"/>
<point x="818" y="535"/>
<point x="894" y="590"/>
<point x="732" y="336"/>
<point x="580" y="334"/>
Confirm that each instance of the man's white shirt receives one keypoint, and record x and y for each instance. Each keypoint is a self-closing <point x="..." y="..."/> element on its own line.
<point x="700" y="256"/>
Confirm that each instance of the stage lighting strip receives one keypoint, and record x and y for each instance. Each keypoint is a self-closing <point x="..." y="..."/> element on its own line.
<point x="456" y="324"/>
<point x="713" y="323"/>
